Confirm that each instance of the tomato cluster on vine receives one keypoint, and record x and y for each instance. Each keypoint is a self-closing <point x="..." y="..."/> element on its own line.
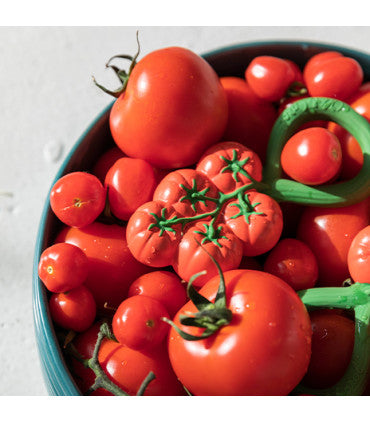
<point x="171" y="238"/>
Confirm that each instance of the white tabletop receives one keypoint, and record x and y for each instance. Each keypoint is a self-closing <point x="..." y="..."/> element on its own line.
<point x="47" y="100"/>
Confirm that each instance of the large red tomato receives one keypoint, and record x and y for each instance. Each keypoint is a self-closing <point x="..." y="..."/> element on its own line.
<point x="173" y="108"/>
<point x="264" y="350"/>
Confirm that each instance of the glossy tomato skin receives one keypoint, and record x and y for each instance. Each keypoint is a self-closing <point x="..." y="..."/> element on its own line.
<point x="294" y="262"/>
<point x="253" y="132"/>
<point x="359" y="256"/>
<point x="270" y="77"/>
<point x="63" y="267"/>
<point x="332" y="347"/>
<point x="265" y="225"/>
<point x="124" y="366"/>
<point x="148" y="244"/>
<point x="162" y="285"/>
<point x="130" y="183"/>
<point x="193" y="253"/>
<point x="265" y="350"/>
<point x="229" y="164"/>
<point x="312" y="156"/>
<point x="329" y="233"/>
<point x="106" y="161"/>
<point x="77" y="198"/>
<point x="333" y="75"/>
<point x="173" y="108"/>
<point x="73" y="310"/>
<point x="112" y="267"/>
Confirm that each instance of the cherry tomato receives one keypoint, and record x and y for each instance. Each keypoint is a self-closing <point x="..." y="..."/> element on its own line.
<point x="270" y="77"/>
<point x="184" y="190"/>
<point x="312" y="156"/>
<point x="229" y="165"/>
<point x="149" y="241"/>
<point x="359" y="256"/>
<point x="294" y="262"/>
<point x="106" y="161"/>
<point x="137" y="322"/>
<point x="330" y="74"/>
<point x="63" y="267"/>
<point x="197" y="244"/>
<point x="257" y="222"/>
<point x="253" y="132"/>
<point x="73" y="310"/>
<point x="126" y="367"/>
<point x="332" y="346"/>
<point x="77" y="199"/>
<point x="173" y="108"/>
<point x="112" y="267"/>
<point x="329" y="233"/>
<point x="265" y="350"/>
<point x="162" y="285"/>
<point x="130" y="183"/>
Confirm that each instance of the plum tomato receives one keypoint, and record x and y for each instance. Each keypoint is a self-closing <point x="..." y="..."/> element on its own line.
<point x="253" y="132"/>
<point x="150" y="240"/>
<point x="126" y="367"/>
<point x="312" y="156"/>
<point x="112" y="267"/>
<point x="199" y="242"/>
<point x="330" y="74"/>
<point x="105" y="162"/>
<point x="77" y="199"/>
<point x="332" y="347"/>
<point x="137" y="322"/>
<point x="73" y="310"/>
<point x="329" y="233"/>
<point x="230" y="165"/>
<point x="270" y="77"/>
<point x="359" y="256"/>
<point x="130" y="183"/>
<point x="264" y="350"/>
<point x="185" y="191"/>
<point x="257" y="220"/>
<point x="63" y="267"/>
<point x="294" y="262"/>
<point x="163" y="286"/>
<point x="173" y="108"/>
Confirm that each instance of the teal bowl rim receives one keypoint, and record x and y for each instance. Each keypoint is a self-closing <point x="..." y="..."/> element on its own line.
<point x="57" y="377"/>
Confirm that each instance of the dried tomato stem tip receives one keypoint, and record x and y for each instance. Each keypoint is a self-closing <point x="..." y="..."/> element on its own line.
<point x="356" y="297"/>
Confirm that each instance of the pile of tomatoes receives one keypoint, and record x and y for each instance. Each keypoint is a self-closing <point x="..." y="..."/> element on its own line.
<point x="172" y="242"/>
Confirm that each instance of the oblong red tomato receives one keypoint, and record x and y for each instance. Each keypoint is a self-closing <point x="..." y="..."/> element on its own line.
<point x="359" y="256"/>
<point x="173" y="108"/>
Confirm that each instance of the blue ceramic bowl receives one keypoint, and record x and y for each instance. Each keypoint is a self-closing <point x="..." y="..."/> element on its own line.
<point x="227" y="61"/>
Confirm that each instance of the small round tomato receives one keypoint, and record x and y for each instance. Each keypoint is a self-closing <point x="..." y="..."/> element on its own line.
<point x="329" y="232"/>
<point x="184" y="190"/>
<point x="333" y="75"/>
<point x="73" y="310"/>
<point x="130" y="183"/>
<point x="124" y="366"/>
<point x="257" y="222"/>
<point x="264" y="350"/>
<point x="230" y="165"/>
<point x="150" y="240"/>
<point x="294" y="262"/>
<point x="77" y="199"/>
<point x="63" y="267"/>
<point x="201" y="241"/>
<point x="312" y="156"/>
<point x="253" y="132"/>
<point x="332" y="347"/>
<point x="112" y="267"/>
<point x="138" y="324"/>
<point x="162" y="285"/>
<point x="105" y="162"/>
<point x="270" y="77"/>
<point x="173" y="108"/>
<point x="359" y="256"/>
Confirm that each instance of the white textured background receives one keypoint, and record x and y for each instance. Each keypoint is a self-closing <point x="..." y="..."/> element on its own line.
<point x="47" y="99"/>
